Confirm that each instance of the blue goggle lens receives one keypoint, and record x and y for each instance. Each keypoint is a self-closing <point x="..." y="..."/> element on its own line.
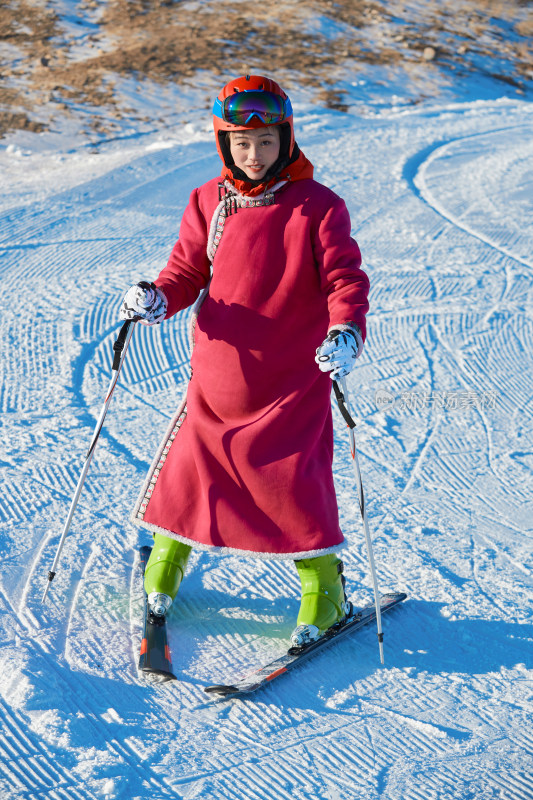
<point x="241" y="107"/>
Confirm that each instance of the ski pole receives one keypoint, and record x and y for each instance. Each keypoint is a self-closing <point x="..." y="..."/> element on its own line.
<point x="119" y="348"/>
<point x="343" y="401"/>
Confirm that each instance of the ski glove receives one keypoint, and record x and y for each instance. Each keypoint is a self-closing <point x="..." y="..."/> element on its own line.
<point x="338" y="351"/>
<point x="146" y="302"/>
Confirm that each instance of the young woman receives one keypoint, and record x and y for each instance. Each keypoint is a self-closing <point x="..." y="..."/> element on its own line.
<point x="246" y="466"/>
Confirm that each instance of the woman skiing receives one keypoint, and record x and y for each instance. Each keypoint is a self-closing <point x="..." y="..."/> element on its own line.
<point x="246" y="465"/>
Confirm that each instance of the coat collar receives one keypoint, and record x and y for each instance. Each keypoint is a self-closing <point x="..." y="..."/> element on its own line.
<point x="297" y="171"/>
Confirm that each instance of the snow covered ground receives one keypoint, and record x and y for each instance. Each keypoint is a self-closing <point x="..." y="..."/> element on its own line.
<point x="441" y="199"/>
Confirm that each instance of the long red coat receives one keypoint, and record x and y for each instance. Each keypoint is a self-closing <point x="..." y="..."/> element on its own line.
<point x="247" y="464"/>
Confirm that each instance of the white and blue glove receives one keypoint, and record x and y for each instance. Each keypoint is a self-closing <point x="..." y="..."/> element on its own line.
<point x="339" y="350"/>
<point x="145" y="302"/>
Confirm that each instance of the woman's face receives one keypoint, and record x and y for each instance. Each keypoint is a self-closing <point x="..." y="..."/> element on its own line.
<point x="255" y="150"/>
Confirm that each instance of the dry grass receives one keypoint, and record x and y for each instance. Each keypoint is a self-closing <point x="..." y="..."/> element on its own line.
<point x="173" y="41"/>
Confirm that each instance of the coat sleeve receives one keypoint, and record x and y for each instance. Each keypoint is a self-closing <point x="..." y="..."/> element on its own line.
<point x="188" y="269"/>
<point x="339" y="262"/>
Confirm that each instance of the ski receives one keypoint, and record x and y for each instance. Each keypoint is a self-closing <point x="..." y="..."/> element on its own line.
<point x="295" y="655"/>
<point x="155" y="657"/>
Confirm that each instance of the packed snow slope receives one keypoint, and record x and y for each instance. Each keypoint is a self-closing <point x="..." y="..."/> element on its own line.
<point x="441" y="200"/>
<point x="102" y="67"/>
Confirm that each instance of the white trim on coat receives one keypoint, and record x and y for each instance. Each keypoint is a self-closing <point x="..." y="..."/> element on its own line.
<point x="233" y="551"/>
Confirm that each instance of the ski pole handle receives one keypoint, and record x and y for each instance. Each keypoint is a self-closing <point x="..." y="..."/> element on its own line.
<point x="342" y="402"/>
<point x="122" y="342"/>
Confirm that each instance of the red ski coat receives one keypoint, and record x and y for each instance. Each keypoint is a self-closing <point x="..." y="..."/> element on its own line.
<point x="246" y="465"/>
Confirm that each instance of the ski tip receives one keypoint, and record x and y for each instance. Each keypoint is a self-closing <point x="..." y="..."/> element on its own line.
<point x="221" y="689"/>
<point x="399" y="597"/>
<point x="392" y="598"/>
<point x="158" y="675"/>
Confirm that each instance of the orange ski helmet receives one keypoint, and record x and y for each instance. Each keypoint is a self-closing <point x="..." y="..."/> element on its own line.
<point x="253" y="101"/>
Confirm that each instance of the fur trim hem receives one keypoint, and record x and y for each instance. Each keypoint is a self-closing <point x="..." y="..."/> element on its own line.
<point x="233" y="551"/>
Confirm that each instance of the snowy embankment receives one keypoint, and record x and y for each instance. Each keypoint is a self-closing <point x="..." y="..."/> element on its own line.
<point x="441" y="203"/>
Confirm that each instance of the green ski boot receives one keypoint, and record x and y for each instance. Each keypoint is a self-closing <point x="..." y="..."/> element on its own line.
<point x="164" y="573"/>
<point x="323" y="598"/>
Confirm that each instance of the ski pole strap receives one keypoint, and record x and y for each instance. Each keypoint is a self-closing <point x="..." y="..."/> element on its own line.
<point x="341" y="401"/>
<point x="118" y="346"/>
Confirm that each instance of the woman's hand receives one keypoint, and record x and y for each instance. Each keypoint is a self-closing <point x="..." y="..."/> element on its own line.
<point x="338" y="352"/>
<point x="145" y="302"/>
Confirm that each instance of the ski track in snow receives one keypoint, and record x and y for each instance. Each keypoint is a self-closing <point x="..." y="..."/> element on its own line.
<point x="441" y="204"/>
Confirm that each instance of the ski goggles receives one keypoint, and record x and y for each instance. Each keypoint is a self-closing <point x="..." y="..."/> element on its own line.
<point x="241" y="107"/>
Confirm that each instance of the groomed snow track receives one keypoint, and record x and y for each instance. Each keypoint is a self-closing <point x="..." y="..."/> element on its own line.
<point x="441" y="206"/>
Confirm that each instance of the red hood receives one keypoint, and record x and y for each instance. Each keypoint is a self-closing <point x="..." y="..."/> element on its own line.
<point x="297" y="171"/>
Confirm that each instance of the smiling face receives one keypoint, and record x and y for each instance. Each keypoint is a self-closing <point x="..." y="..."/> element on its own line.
<point x="255" y="150"/>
